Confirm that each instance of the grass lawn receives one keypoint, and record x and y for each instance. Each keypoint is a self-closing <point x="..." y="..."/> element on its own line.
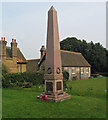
<point x="88" y="100"/>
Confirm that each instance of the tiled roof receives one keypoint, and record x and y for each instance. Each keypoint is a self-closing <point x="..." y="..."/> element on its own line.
<point x="32" y="65"/>
<point x="73" y="59"/>
<point x="70" y="59"/>
<point x="20" y="56"/>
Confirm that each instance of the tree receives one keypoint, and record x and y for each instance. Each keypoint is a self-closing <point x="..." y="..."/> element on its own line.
<point x="95" y="54"/>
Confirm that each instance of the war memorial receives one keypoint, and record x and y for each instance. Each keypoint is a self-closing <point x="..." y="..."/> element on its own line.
<point x="53" y="69"/>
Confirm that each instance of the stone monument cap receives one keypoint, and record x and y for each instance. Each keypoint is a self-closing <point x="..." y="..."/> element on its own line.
<point x="52" y="9"/>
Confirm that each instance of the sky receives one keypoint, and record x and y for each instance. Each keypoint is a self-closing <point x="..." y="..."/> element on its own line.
<point x="27" y="22"/>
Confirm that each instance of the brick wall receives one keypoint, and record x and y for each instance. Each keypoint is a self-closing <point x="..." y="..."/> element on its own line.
<point x="11" y="62"/>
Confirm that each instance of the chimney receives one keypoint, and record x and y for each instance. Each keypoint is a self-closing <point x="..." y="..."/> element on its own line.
<point x="14" y="49"/>
<point x="42" y="50"/>
<point x="3" y="48"/>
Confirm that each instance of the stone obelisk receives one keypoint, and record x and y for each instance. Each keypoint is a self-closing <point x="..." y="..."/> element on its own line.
<point x="53" y="67"/>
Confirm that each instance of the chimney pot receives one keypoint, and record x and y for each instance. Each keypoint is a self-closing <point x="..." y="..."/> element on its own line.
<point x="12" y="40"/>
<point x="1" y="38"/>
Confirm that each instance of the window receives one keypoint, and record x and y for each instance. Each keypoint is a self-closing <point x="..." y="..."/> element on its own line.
<point x="82" y="70"/>
<point x="77" y="69"/>
<point x="73" y="70"/>
<point x="69" y="71"/>
<point x="87" y="70"/>
<point x="65" y="68"/>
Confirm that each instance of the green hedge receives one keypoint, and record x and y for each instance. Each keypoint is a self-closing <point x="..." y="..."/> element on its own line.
<point x="16" y="79"/>
<point x="19" y="79"/>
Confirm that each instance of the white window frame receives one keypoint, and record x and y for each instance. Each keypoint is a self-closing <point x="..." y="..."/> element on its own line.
<point x="73" y="70"/>
<point x="82" y="70"/>
<point x="87" y="70"/>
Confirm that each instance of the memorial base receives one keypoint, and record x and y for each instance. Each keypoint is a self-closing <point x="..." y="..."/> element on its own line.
<point x="56" y="97"/>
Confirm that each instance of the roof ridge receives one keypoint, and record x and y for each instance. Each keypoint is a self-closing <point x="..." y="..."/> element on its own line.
<point x="32" y="59"/>
<point x="70" y="52"/>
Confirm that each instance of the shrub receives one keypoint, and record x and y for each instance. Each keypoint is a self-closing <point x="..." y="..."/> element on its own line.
<point x="5" y="83"/>
<point x="16" y="79"/>
<point x="5" y="69"/>
<point x="35" y="78"/>
<point x="65" y="78"/>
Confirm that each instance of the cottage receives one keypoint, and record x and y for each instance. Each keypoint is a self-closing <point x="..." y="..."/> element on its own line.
<point x="73" y="62"/>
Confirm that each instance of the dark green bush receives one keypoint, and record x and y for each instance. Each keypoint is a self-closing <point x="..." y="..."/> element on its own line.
<point x="5" y="83"/>
<point x="65" y="75"/>
<point x="16" y="79"/>
<point x="65" y="78"/>
<point x="35" y="78"/>
<point x="5" y="69"/>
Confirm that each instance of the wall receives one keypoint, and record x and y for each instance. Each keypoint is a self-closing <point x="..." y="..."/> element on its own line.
<point x="11" y="65"/>
<point x="76" y="73"/>
<point x="23" y="67"/>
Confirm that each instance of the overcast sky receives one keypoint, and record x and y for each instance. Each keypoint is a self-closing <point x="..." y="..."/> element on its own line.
<point x="27" y="22"/>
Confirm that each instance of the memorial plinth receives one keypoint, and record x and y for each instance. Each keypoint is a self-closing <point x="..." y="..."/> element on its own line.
<point x="53" y="67"/>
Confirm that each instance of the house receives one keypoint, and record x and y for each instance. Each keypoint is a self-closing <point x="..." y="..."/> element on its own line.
<point x="12" y="57"/>
<point x="72" y="62"/>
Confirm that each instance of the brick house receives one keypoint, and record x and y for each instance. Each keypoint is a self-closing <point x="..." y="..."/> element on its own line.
<point x="12" y="57"/>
